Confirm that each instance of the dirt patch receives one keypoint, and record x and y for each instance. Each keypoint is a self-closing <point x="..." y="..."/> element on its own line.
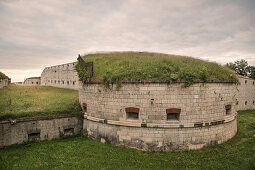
<point x="241" y="141"/>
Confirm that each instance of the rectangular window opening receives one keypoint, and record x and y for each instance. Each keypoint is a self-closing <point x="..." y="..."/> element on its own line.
<point x="228" y="111"/>
<point x="69" y="131"/>
<point x="173" y="116"/>
<point x="34" y="136"/>
<point x="132" y="115"/>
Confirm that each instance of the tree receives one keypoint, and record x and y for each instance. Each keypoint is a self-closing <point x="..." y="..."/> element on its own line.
<point x="241" y="67"/>
<point x="252" y="72"/>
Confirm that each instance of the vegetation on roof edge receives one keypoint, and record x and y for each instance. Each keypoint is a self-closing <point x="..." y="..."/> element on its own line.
<point x="117" y="67"/>
<point x="3" y="76"/>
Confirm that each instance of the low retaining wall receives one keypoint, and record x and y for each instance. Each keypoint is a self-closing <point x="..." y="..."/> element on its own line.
<point x="21" y="131"/>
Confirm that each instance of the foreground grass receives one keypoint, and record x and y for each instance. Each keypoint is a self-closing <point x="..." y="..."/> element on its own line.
<point x="83" y="153"/>
<point x="24" y="101"/>
<point x="139" y="66"/>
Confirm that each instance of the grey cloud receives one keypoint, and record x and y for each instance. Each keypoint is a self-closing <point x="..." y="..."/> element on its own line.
<point x="35" y="34"/>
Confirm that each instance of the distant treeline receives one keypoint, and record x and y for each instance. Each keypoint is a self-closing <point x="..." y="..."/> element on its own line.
<point x="242" y="68"/>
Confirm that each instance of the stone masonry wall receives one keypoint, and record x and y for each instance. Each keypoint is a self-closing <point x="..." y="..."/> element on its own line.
<point x="203" y="119"/>
<point x="32" y="81"/>
<point x="63" y="76"/>
<point x="4" y="83"/>
<point x="160" y="139"/>
<point x="38" y="130"/>
<point x="245" y="98"/>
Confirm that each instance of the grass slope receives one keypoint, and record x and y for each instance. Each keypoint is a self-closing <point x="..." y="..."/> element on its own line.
<point x="144" y="66"/>
<point x="21" y="101"/>
<point x="83" y="153"/>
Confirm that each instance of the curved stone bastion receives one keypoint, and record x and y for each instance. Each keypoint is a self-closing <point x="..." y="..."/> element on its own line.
<point x="160" y="116"/>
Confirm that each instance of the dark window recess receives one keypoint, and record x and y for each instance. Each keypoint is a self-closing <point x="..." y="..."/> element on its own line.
<point x="132" y="113"/>
<point x="245" y="102"/>
<point x="253" y="102"/>
<point x="218" y="122"/>
<point x="84" y="107"/>
<point x="253" y="83"/>
<point x="36" y="82"/>
<point x="67" y="82"/>
<point x="69" y="131"/>
<point x="173" y="114"/>
<point x="32" y="82"/>
<point x="55" y="81"/>
<point x="34" y="136"/>
<point x="74" y="83"/>
<point x="237" y="102"/>
<point x="228" y="109"/>
<point x="198" y="124"/>
<point x="152" y="100"/>
<point x="245" y="81"/>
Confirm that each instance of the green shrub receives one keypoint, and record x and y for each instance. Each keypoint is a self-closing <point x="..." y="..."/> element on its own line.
<point x="3" y="76"/>
<point x="204" y="74"/>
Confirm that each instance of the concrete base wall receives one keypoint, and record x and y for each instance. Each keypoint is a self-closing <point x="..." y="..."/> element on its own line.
<point x="38" y="130"/>
<point x="160" y="139"/>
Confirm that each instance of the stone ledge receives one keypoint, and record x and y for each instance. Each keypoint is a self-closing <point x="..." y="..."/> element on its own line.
<point x="174" y="125"/>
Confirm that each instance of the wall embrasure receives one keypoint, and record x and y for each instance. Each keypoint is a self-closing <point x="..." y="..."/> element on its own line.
<point x="160" y="116"/>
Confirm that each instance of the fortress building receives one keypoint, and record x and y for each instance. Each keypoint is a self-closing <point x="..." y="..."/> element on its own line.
<point x="32" y="81"/>
<point x="63" y="76"/>
<point x="154" y="114"/>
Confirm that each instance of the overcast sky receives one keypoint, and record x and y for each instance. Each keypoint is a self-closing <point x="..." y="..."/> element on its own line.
<point x="39" y="33"/>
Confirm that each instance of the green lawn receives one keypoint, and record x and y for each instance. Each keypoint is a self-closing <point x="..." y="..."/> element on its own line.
<point x="83" y="153"/>
<point x="145" y="66"/>
<point x="35" y="101"/>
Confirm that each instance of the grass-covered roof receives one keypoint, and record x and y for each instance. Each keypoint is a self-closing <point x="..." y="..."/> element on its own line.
<point x="3" y="76"/>
<point x="154" y="67"/>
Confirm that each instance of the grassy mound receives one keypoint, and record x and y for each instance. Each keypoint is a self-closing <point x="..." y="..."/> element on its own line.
<point x="3" y="76"/>
<point x="83" y="153"/>
<point x="153" y="67"/>
<point x="37" y="101"/>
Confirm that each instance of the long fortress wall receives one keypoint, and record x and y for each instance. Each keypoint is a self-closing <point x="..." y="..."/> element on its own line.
<point x="63" y="76"/>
